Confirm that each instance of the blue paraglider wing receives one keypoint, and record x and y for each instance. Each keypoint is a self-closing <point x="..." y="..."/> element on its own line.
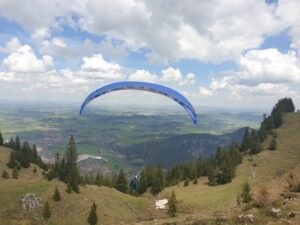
<point x="150" y="87"/>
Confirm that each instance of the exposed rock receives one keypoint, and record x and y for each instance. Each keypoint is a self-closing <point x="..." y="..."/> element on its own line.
<point x="246" y="218"/>
<point x="275" y="212"/>
<point x="161" y="204"/>
<point x="31" y="201"/>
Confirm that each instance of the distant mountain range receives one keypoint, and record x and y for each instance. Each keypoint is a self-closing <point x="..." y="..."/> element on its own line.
<point x="181" y="148"/>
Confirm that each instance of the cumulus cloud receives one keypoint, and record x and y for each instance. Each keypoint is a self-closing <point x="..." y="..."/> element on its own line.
<point x="11" y="45"/>
<point x="208" y="31"/>
<point x="205" y="92"/>
<point x="96" y="67"/>
<point x="37" y="14"/>
<point x="41" y="33"/>
<point x="23" y="60"/>
<point x="288" y="12"/>
<point x="143" y="75"/>
<point x="265" y="72"/>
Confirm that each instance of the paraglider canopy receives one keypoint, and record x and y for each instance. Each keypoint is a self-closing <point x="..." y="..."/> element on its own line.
<point x="150" y="87"/>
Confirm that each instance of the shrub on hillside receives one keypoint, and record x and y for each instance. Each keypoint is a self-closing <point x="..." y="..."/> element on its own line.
<point x="262" y="198"/>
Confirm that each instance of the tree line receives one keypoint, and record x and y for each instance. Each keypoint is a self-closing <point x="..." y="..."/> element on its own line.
<point x="23" y="154"/>
<point x="252" y="139"/>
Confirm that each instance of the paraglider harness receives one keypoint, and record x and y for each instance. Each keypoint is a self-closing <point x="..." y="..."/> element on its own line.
<point x="134" y="183"/>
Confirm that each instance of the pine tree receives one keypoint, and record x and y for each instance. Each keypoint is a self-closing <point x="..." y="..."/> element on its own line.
<point x="98" y="180"/>
<point x="46" y="211"/>
<point x="256" y="147"/>
<point x="195" y="181"/>
<point x="158" y="181"/>
<point x="17" y="144"/>
<point x="246" y="142"/>
<point x="25" y="155"/>
<point x="35" y="156"/>
<point x="219" y="156"/>
<point x="149" y="174"/>
<point x="11" y="143"/>
<point x="142" y="186"/>
<point x="73" y="178"/>
<point x="12" y="163"/>
<point x="273" y="144"/>
<point x="121" y="183"/>
<point x="15" y="173"/>
<point x="172" y="205"/>
<point x="212" y="173"/>
<point x="226" y="172"/>
<point x="56" y="195"/>
<point x="69" y="189"/>
<point x="246" y="193"/>
<point x="71" y="165"/>
<point x="186" y="182"/>
<point x="93" y="219"/>
<point x="5" y="174"/>
<point x="1" y="139"/>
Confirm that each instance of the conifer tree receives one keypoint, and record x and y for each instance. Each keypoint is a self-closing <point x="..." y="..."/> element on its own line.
<point x="69" y="189"/>
<point x="158" y="180"/>
<point x="25" y="155"/>
<point x="186" y="182"/>
<point x="246" y="193"/>
<point x="273" y="144"/>
<point x="142" y="187"/>
<point x="71" y="165"/>
<point x="12" y="163"/>
<point x="56" y="195"/>
<point x="15" y="173"/>
<point x="246" y="142"/>
<point x="195" y="181"/>
<point x="212" y="173"/>
<point x="11" y="143"/>
<point x="1" y="139"/>
<point x="73" y="178"/>
<point x="93" y="219"/>
<point x="149" y="174"/>
<point x="46" y="211"/>
<point x="256" y="147"/>
<point x="172" y="205"/>
<point x="35" y="156"/>
<point x="226" y="172"/>
<point x="121" y="183"/>
<point x="98" y="180"/>
<point x="5" y="174"/>
<point x="17" y="144"/>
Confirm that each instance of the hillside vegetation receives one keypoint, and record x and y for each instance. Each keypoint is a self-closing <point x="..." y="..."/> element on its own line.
<point x="197" y="202"/>
<point x="268" y="169"/>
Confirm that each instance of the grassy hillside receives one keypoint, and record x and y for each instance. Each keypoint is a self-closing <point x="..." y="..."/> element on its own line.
<point x="271" y="171"/>
<point x="196" y="202"/>
<point x="113" y="206"/>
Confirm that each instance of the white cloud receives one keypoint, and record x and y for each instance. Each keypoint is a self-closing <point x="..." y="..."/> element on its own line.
<point x="23" y="60"/>
<point x="143" y="75"/>
<point x="37" y="14"/>
<point x="265" y="72"/>
<point x="11" y="45"/>
<point x="41" y="33"/>
<point x="170" y="75"/>
<point x="208" y="31"/>
<point x="205" y="92"/>
<point x="288" y="12"/>
<point x="113" y="50"/>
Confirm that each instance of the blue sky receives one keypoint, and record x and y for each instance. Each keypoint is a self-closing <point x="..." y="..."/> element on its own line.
<point x="242" y="54"/>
